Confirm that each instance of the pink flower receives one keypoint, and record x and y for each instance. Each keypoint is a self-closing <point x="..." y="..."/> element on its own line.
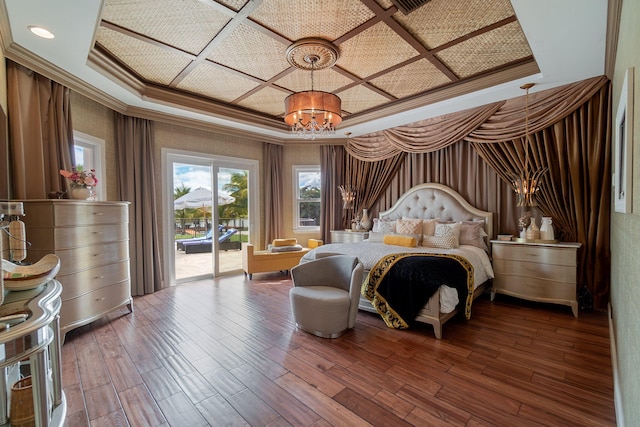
<point x="81" y="177"/>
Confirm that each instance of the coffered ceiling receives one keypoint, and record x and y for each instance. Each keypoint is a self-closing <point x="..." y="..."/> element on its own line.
<point x="224" y="61"/>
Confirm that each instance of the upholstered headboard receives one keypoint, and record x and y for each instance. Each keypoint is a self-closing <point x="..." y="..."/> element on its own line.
<point x="431" y="200"/>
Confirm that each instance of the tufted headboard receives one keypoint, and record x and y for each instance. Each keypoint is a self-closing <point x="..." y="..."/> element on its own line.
<point x="431" y="200"/>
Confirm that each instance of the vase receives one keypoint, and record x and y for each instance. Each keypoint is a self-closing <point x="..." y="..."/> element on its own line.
<point x="80" y="193"/>
<point x="533" y="232"/>
<point x="365" y="222"/>
<point x="546" y="229"/>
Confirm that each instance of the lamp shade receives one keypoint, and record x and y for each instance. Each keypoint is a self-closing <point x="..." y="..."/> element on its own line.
<point x="303" y="105"/>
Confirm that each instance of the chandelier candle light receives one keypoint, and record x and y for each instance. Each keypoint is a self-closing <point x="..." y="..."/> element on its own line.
<point x="312" y="113"/>
<point x="527" y="182"/>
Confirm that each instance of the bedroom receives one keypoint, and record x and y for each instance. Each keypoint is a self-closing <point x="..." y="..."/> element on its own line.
<point x="92" y="118"/>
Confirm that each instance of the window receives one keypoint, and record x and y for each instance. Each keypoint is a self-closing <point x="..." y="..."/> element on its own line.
<point x="89" y="153"/>
<point x="306" y="215"/>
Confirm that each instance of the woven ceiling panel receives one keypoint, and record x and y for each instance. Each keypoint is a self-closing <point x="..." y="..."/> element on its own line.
<point x="360" y="98"/>
<point x="369" y="52"/>
<point x="188" y="25"/>
<point x="147" y="61"/>
<point x="215" y="83"/>
<point x="328" y="19"/>
<point x="441" y="21"/>
<point x="234" y="5"/>
<point x="252" y="52"/>
<point x="487" y="51"/>
<point x="327" y="80"/>
<point x="268" y="100"/>
<point x="411" y="79"/>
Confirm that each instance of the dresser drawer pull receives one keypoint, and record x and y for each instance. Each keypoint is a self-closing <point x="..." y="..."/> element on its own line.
<point x="98" y="213"/>
<point x="101" y="299"/>
<point x="95" y="255"/>
<point x="99" y="277"/>
<point x="531" y="254"/>
<point x="98" y="232"/>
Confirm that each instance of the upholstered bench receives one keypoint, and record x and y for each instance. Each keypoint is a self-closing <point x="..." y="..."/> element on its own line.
<point x="264" y="261"/>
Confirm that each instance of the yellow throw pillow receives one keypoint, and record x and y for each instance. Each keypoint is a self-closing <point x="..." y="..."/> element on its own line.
<point x="285" y="242"/>
<point x="407" y="241"/>
<point x="314" y="243"/>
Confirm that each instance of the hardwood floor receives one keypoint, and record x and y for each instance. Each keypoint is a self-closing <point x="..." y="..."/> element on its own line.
<point x="225" y="352"/>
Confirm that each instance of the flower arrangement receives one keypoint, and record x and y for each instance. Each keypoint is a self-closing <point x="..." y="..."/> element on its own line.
<point x="81" y="178"/>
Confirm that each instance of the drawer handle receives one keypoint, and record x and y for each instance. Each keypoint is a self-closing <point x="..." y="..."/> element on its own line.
<point x="98" y="213"/>
<point x="101" y="299"/>
<point x="98" y="232"/>
<point x="99" y="277"/>
<point x="97" y="254"/>
<point x="531" y="254"/>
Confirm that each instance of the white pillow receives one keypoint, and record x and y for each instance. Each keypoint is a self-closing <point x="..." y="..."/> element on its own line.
<point x="384" y="225"/>
<point x="449" y="230"/>
<point x="441" y="242"/>
<point x="428" y="225"/>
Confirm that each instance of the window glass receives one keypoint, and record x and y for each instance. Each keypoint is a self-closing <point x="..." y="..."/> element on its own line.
<point x="307" y="197"/>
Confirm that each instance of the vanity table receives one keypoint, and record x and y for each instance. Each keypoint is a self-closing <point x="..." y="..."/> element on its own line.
<point x="37" y="339"/>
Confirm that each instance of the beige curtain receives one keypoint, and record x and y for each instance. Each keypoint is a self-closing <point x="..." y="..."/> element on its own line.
<point x="273" y="191"/>
<point x="332" y="174"/>
<point x="40" y="133"/>
<point x="136" y="180"/>
<point x="370" y="179"/>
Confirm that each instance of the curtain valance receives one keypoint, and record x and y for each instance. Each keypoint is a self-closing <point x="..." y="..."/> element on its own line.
<point x="496" y="122"/>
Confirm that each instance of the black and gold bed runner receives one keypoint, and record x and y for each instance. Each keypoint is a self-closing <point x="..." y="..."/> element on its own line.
<point x="399" y="285"/>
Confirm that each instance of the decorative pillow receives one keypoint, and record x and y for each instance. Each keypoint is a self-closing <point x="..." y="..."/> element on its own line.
<point x="443" y="242"/>
<point x="409" y="226"/>
<point x="379" y="237"/>
<point x="384" y="225"/>
<point x="285" y="242"/>
<point x="447" y="230"/>
<point x="407" y="241"/>
<point x="472" y="233"/>
<point x="429" y="226"/>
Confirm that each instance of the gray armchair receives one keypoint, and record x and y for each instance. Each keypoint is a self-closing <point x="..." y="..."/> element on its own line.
<point x="325" y="294"/>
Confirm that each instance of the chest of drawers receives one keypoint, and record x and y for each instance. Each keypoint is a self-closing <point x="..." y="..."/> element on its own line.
<point x="92" y="241"/>
<point x="536" y="271"/>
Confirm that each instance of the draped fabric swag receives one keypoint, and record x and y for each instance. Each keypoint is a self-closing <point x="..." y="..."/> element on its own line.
<point x="569" y="131"/>
<point x="135" y="154"/>
<point x="273" y="191"/>
<point x="40" y="133"/>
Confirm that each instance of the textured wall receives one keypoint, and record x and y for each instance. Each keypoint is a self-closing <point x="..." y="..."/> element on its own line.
<point x="98" y="121"/>
<point x="625" y="232"/>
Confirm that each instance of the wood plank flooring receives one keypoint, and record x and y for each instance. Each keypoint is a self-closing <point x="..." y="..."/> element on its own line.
<point x="225" y="352"/>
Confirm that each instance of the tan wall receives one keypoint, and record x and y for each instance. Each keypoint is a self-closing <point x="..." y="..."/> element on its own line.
<point x="625" y="232"/>
<point x="307" y="154"/>
<point x="98" y="121"/>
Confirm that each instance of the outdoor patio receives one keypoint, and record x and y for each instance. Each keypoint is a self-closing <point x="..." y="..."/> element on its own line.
<point x="190" y="265"/>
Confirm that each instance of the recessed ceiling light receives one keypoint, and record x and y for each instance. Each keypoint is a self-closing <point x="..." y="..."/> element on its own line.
<point x="41" y="32"/>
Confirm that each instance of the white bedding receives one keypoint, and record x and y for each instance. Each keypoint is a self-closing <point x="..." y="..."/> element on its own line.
<point x="370" y="252"/>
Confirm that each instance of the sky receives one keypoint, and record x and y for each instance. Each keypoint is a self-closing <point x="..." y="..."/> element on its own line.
<point x="194" y="176"/>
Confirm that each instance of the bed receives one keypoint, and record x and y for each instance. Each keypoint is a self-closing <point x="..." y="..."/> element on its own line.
<point x="440" y="204"/>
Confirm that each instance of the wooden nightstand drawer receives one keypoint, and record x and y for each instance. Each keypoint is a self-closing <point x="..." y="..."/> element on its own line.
<point x="540" y="254"/>
<point x="535" y="289"/>
<point x="560" y="273"/>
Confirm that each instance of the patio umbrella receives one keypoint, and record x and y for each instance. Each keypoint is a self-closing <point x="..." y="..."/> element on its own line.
<point x="201" y="197"/>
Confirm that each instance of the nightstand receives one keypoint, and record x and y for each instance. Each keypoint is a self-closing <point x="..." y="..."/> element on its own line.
<point x="347" y="236"/>
<point x="543" y="272"/>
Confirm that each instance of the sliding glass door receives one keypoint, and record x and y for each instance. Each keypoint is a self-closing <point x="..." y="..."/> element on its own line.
<point x="209" y="203"/>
